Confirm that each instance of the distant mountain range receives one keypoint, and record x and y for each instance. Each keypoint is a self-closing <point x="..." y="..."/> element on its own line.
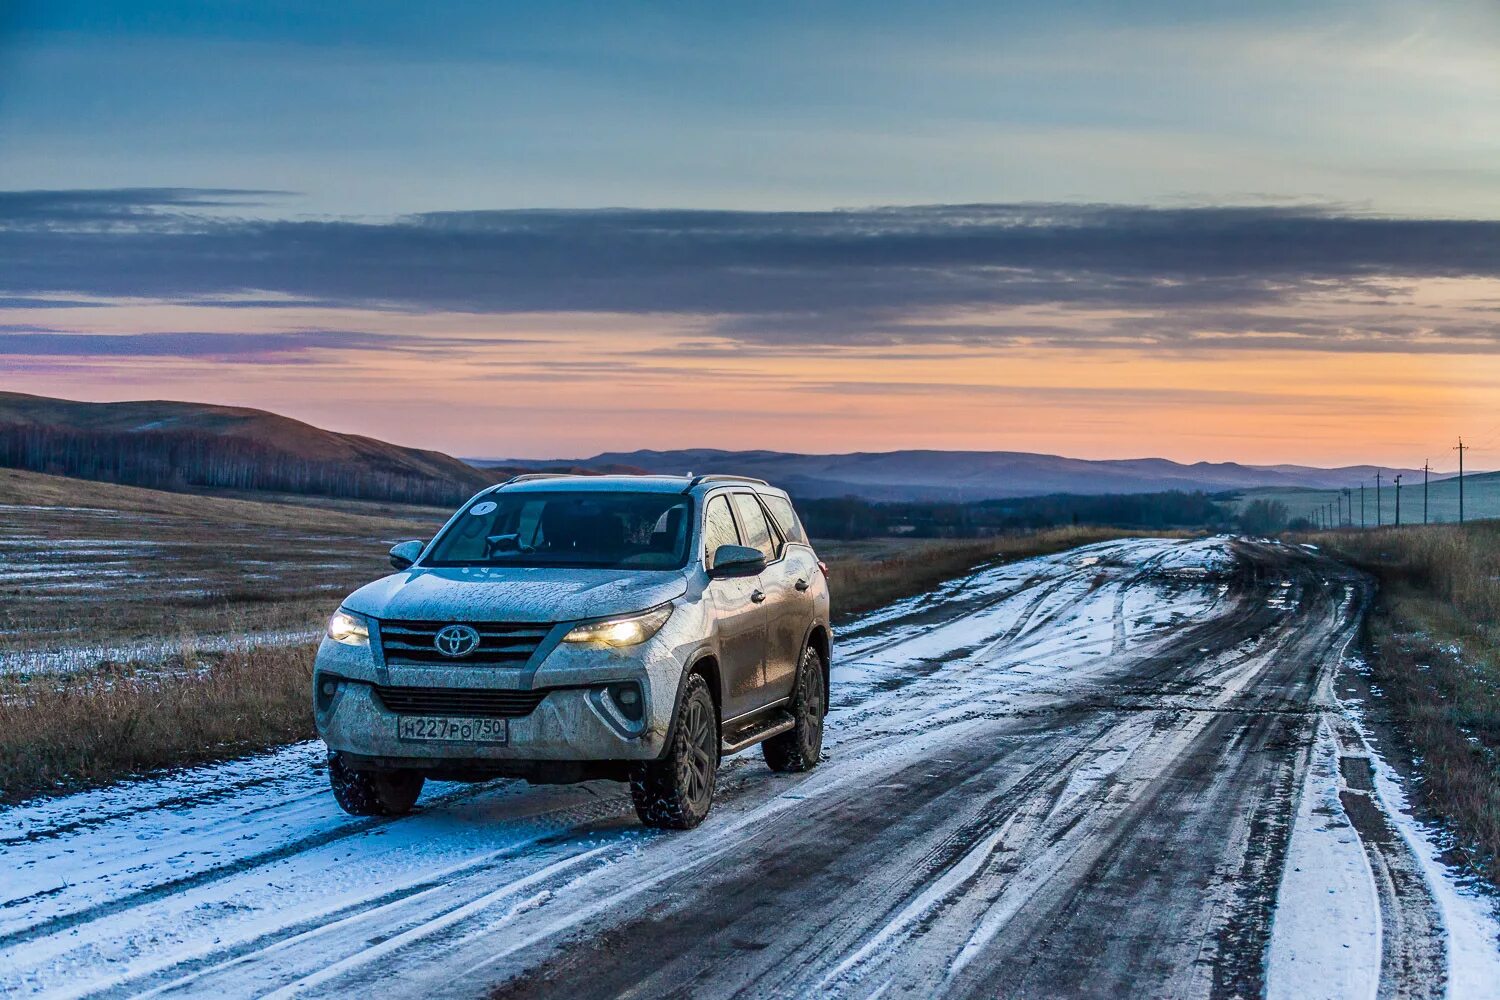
<point x="197" y="446"/>
<point x="970" y="475"/>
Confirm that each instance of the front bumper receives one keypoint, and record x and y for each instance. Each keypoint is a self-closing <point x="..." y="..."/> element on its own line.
<point x="570" y="724"/>
<point x="575" y="721"/>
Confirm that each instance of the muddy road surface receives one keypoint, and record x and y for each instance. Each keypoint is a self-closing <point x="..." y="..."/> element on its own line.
<point x="1069" y="776"/>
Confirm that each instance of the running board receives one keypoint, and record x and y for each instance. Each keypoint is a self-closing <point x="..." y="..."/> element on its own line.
<point x="756" y="732"/>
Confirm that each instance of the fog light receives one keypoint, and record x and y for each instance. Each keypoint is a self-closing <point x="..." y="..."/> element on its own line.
<point x="324" y="690"/>
<point x="627" y="698"/>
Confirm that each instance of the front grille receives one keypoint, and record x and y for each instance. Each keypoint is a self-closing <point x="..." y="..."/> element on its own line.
<point x="462" y="702"/>
<point x="501" y="644"/>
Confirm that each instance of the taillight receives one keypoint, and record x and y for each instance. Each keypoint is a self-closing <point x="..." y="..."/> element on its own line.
<point x="823" y="566"/>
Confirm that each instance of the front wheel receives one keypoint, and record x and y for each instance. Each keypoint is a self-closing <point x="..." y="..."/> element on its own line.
<point x="801" y="747"/>
<point x="369" y="793"/>
<point x="675" y="793"/>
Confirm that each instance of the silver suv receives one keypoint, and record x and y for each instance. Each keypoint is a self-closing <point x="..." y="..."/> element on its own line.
<point x="566" y="628"/>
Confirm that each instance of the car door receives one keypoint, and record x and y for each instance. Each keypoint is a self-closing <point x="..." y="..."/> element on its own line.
<point x="738" y="618"/>
<point x="784" y="628"/>
<point x="799" y="564"/>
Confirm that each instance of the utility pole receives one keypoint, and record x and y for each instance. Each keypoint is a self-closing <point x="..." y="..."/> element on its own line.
<point x="1398" y="499"/>
<point x="1461" y="449"/>
<point x="1378" y="519"/>
<point x="1349" y="506"/>
<point x="1426" y="471"/>
<point x="1361" y="505"/>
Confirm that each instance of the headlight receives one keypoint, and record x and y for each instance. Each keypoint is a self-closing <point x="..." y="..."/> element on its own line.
<point x="622" y="631"/>
<point x="351" y="630"/>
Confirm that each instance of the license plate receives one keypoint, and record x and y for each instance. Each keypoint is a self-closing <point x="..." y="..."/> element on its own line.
<point x="442" y="729"/>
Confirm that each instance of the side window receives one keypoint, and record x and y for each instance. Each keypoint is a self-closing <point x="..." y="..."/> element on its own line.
<point x="786" y="517"/>
<point x="757" y="532"/>
<point x="718" y="529"/>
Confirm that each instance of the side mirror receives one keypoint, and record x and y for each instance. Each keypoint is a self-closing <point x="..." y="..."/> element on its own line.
<point x="403" y="554"/>
<point x="737" y="560"/>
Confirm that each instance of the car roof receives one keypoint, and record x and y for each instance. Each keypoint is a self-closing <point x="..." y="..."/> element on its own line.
<point x="546" y="483"/>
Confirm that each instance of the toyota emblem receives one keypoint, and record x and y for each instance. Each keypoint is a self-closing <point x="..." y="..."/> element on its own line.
<point x="456" y="640"/>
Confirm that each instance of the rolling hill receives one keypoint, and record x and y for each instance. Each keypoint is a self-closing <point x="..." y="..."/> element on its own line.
<point x="1481" y="500"/>
<point x="971" y="475"/>
<point x="159" y="443"/>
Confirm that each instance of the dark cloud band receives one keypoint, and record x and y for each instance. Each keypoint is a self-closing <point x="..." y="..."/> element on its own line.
<point x="875" y="275"/>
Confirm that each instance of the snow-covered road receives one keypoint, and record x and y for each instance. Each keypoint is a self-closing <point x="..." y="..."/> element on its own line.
<point x="1080" y="775"/>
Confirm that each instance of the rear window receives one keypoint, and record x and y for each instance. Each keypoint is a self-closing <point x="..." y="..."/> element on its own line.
<point x="786" y="517"/>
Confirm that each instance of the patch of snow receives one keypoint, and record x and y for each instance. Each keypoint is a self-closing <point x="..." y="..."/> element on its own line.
<point x="1325" y="938"/>
<point x="72" y="658"/>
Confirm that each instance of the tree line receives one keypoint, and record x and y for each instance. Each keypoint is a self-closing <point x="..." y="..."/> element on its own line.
<point x="188" y="459"/>
<point x="851" y="517"/>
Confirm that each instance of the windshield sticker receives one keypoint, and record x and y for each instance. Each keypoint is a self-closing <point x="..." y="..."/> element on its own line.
<point x="480" y="509"/>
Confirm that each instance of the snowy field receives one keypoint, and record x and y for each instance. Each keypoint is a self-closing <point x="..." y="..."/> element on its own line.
<point x="206" y="575"/>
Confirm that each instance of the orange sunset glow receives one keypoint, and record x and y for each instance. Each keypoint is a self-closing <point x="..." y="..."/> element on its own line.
<point x="561" y="385"/>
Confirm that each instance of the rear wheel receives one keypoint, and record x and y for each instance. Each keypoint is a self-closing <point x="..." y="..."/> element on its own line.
<point x="676" y="792"/>
<point x="801" y="747"/>
<point x="370" y="793"/>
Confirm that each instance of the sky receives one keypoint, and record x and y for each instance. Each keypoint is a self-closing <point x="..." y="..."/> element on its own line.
<point x="1208" y="231"/>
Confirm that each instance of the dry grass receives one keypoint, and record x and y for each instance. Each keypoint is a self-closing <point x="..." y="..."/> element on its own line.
<point x="67" y="731"/>
<point x="1434" y="642"/>
<point x="285" y="511"/>
<point x="863" y="581"/>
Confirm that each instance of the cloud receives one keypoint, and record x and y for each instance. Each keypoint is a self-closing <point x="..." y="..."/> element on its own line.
<point x="93" y="206"/>
<point x="18" y="340"/>
<point x="1117" y="275"/>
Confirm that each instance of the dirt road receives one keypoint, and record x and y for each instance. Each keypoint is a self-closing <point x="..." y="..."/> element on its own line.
<point x="1070" y="776"/>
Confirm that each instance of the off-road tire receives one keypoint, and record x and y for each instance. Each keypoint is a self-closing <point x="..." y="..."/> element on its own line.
<point x="801" y="747"/>
<point x="676" y="792"/>
<point x="368" y="793"/>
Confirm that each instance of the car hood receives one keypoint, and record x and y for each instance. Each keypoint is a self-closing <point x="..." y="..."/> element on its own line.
<point x="513" y="594"/>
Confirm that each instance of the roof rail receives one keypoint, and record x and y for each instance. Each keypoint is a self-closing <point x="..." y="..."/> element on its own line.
<point x="528" y="476"/>
<point x="693" y="483"/>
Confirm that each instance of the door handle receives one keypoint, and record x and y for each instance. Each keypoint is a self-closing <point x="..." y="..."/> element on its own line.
<point x="801" y="584"/>
<point x="757" y="595"/>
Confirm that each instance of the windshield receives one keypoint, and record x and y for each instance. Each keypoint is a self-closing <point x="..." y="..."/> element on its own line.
<point x="592" y="529"/>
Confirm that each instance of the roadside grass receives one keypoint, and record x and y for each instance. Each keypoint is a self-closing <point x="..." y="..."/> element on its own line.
<point x="62" y="732"/>
<point x="1434" y="649"/>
